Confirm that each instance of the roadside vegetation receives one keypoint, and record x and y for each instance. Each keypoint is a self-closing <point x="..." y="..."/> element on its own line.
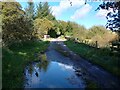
<point x="23" y="33"/>
<point x="16" y="58"/>
<point x="20" y="44"/>
<point x="102" y="57"/>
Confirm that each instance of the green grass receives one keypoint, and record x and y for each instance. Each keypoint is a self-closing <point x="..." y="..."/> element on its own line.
<point x="16" y="58"/>
<point x="102" y="57"/>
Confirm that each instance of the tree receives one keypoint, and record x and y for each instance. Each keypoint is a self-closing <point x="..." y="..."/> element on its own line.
<point x="65" y="28"/>
<point x="101" y="35"/>
<point x="30" y="10"/>
<point x="44" y="20"/>
<point x="68" y="29"/>
<point x="113" y="18"/>
<point x="78" y="31"/>
<point x="51" y="17"/>
<point x="62" y="27"/>
<point x="15" y="28"/>
<point x="39" y="11"/>
<point x="44" y="11"/>
<point x="54" y="32"/>
<point x="42" y="26"/>
<point x="96" y="30"/>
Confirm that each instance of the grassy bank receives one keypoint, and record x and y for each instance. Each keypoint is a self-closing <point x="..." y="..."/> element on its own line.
<point x="102" y="57"/>
<point x="16" y="58"/>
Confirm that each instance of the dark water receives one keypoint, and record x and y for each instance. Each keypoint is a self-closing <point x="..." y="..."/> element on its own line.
<point x="51" y="74"/>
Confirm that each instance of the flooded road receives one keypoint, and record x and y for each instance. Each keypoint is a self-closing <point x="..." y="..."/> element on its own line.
<point x="54" y="75"/>
<point x="55" y="72"/>
<point x="63" y="70"/>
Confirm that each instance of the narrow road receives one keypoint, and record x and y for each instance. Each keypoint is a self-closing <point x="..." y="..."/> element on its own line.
<point x="89" y="71"/>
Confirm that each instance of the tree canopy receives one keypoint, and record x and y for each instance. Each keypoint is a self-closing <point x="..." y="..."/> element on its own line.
<point x="42" y="26"/>
<point x="113" y="17"/>
<point x="19" y="25"/>
<point x="30" y="11"/>
<point x="43" y="10"/>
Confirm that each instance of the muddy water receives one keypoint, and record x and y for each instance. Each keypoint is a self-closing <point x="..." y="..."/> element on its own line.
<point x="55" y="72"/>
<point x="51" y="74"/>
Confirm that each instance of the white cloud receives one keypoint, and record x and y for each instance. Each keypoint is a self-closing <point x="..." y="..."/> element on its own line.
<point x="80" y="13"/>
<point x="65" y="5"/>
<point x="102" y="13"/>
<point x="65" y="67"/>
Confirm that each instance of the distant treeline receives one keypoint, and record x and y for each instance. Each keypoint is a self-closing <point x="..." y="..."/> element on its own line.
<point x="31" y="24"/>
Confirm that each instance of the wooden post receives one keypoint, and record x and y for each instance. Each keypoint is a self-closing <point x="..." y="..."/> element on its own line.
<point x="112" y="48"/>
<point x="96" y="44"/>
<point x="82" y="41"/>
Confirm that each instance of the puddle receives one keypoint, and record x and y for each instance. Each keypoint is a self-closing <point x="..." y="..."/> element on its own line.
<point x="51" y="74"/>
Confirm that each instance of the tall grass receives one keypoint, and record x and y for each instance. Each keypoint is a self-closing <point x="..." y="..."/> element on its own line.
<point x="14" y="60"/>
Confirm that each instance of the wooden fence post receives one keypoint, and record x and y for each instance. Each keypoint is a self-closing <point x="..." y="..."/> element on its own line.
<point x="96" y="44"/>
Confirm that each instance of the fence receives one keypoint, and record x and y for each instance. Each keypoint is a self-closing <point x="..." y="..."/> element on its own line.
<point x="114" y="47"/>
<point x="92" y="44"/>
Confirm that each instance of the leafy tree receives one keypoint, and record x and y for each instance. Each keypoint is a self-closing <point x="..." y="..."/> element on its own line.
<point x="97" y="30"/>
<point x="113" y="17"/>
<point x="62" y="27"/>
<point x="65" y="28"/>
<point x="100" y="34"/>
<point x="68" y="29"/>
<point x="15" y="28"/>
<point x="44" y="21"/>
<point x="42" y="26"/>
<point x="79" y="31"/>
<point x="57" y="27"/>
<point x="52" y="33"/>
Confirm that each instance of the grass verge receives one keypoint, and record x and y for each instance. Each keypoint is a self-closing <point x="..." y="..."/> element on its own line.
<point x="102" y="57"/>
<point x="16" y="58"/>
<point x="61" y="50"/>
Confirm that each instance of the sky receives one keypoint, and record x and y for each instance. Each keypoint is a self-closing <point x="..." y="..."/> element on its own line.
<point x="79" y="12"/>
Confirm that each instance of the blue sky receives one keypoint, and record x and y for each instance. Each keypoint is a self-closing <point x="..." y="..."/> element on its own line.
<point x="83" y="14"/>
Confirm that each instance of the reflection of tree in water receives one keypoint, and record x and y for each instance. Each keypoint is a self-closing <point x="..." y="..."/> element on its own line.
<point x="30" y="69"/>
<point x="43" y="63"/>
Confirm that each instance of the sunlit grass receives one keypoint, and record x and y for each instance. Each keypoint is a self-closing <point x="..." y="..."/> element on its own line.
<point x="102" y="57"/>
<point x="61" y="50"/>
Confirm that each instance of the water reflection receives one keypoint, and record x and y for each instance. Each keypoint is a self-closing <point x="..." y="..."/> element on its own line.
<point x="30" y="69"/>
<point x="43" y="65"/>
<point x="52" y="74"/>
<point x="35" y="66"/>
